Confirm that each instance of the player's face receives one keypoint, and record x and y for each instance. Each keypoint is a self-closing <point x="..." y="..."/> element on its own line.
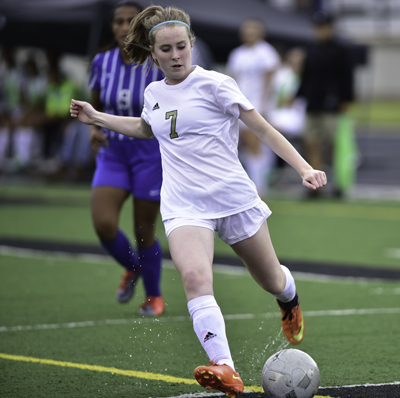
<point x="173" y="51"/>
<point x="251" y="32"/>
<point x="324" y="32"/>
<point x="120" y="25"/>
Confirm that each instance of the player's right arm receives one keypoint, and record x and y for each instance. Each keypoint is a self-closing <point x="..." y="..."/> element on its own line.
<point x="96" y="135"/>
<point x="134" y="127"/>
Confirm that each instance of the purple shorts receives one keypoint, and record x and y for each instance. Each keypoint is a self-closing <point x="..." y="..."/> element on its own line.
<point x="132" y="165"/>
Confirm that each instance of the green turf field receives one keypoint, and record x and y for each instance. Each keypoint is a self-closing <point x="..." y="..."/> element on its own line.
<point x="62" y="333"/>
<point x="357" y="233"/>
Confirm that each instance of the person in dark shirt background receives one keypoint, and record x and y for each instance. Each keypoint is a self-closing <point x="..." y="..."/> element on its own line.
<point x="327" y="86"/>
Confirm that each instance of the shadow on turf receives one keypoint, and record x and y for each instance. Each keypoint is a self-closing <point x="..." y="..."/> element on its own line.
<point x="373" y="391"/>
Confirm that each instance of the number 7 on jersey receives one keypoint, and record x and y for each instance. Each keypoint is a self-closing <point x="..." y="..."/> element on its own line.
<point x="173" y="115"/>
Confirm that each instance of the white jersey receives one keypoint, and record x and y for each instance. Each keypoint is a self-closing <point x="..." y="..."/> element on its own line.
<point x="249" y="66"/>
<point x="196" y="125"/>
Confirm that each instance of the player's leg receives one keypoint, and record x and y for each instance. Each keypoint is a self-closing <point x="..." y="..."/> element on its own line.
<point x="313" y="136"/>
<point x="146" y="179"/>
<point x="150" y="255"/>
<point x="330" y="125"/>
<point x="314" y="156"/>
<point x="255" y="160"/>
<point x="5" y="134"/>
<point x="106" y="206"/>
<point x="192" y="249"/>
<point x="259" y="256"/>
<point x="23" y="145"/>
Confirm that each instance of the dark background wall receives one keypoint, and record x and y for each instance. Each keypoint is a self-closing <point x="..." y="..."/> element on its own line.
<point x="82" y="27"/>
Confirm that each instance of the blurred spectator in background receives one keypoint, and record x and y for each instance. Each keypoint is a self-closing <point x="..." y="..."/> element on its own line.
<point x="65" y="144"/>
<point x="253" y="65"/>
<point x="327" y="86"/>
<point x="288" y="115"/>
<point x="10" y="99"/>
<point x="202" y="55"/>
<point x="28" y="122"/>
<point x="298" y="6"/>
<point x="37" y="133"/>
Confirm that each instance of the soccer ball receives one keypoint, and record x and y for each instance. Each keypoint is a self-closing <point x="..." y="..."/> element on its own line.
<point x="290" y="374"/>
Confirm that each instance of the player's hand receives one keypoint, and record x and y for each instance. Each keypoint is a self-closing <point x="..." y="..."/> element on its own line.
<point x="83" y="111"/>
<point x="97" y="138"/>
<point x="314" y="179"/>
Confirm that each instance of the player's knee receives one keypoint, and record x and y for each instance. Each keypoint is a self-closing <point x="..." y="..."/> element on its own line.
<point x="106" y="230"/>
<point x="272" y="285"/>
<point x="145" y="236"/>
<point x="194" y="280"/>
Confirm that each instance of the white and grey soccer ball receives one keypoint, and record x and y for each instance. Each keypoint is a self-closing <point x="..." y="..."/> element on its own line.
<point x="290" y="373"/>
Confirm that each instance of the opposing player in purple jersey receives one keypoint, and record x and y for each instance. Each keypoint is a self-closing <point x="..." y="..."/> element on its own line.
<point x="126" y="166"/>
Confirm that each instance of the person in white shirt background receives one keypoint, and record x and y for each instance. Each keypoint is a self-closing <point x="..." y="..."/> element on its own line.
<point x="194" y="114"/>
<point x="253" y="65"/>
<point x="287" y="114"/>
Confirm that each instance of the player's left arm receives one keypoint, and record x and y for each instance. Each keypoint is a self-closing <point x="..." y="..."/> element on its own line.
<point x="283" y="148"/>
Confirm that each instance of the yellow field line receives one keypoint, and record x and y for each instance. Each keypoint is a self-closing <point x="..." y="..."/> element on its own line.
<point x="130" y="373"/>
<point x="96" y="368"/>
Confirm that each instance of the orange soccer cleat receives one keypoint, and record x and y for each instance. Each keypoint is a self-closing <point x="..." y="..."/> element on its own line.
<point x="219" y="377"/>
<point x="127" y="286"/>
<point x="152" y="306"/>
<point x="292" y="320"/>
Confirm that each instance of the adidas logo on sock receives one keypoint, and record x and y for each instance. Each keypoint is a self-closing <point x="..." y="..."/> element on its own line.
<point x="156" y="106"/>
<point x="209" y="336"/>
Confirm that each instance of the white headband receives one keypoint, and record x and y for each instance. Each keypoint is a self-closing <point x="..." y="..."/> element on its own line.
<point x="163" y="23"/>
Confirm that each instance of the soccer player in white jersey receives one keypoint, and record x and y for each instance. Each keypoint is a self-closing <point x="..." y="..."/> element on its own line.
<point x="253" y="65"/>
<point x="194" y="114"/>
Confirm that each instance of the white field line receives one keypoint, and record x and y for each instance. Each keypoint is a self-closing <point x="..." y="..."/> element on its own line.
<point x="395" y="383"/>
<point x="91" y="258"/>
<point x="233" y="317"/>
<point x="392" y="252"/>
<point x="220" y="268"/>
<point x="29" y="253"/>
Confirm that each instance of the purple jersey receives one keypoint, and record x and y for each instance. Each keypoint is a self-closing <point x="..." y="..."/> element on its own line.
<point x="134" y="165"/>
<point x="121" y="86"/>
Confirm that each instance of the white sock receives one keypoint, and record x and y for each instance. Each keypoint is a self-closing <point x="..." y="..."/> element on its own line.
<point x="256" y="169"/>
<point x="209" y="325"/>
<point x="289" y="291"/>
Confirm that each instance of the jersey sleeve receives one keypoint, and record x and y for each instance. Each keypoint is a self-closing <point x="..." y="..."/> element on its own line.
<point x="145" y="113"/>
<point x="229" y="97"/>
<point x="95" y="74"/>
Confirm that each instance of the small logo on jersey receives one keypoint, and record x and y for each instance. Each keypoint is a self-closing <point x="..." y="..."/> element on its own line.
<point x="209" y="336"/>
<point x="156" y="106"/>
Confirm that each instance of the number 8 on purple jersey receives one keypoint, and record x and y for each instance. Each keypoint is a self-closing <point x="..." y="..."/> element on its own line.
<point x="133" y="165"/>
